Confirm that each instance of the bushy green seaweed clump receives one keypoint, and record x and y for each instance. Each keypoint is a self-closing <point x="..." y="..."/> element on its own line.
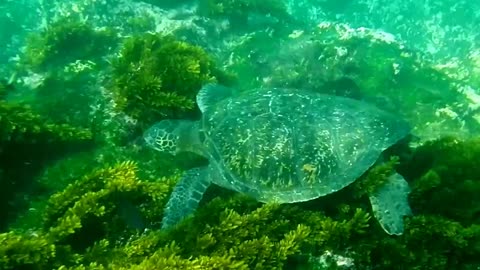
<point x="239" y="233"/>
<point x="79" y="221"/>
<point x="28" y="142"/>
<point x="445" y="230"/>
<point x="24" y="250"/>
<point x="64" y="41"/>
<point x="101" y="194"/>
<point x="238" y="11"/>
<point x="19" y="124"/>
<point x="85" y="225"/>
<point x="451" y="185"/>
<point x="158" y="76"/>
<point x="429" y="242"/>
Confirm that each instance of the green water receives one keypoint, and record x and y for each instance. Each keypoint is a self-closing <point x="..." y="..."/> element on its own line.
<point x="80" y="81"/>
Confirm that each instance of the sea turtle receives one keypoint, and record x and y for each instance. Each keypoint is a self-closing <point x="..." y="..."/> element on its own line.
<point x="284" y="146"/>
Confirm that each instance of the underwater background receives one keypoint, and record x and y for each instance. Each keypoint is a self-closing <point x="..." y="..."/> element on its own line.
<point x="80" y="81"/>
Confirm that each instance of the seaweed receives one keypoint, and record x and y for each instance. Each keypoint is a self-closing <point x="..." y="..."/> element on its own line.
<point x="63" y="41"/>
<point x="28" y="142"/>
<point x="158" y="77"/>
<point x="83" y="227"/>
<point x="79" y="220"/>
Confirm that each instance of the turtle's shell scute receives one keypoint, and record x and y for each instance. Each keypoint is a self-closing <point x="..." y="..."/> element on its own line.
<point x="287" y="145"/>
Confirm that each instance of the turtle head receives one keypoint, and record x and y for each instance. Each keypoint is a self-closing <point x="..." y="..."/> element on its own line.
<point x="172" y="136"/>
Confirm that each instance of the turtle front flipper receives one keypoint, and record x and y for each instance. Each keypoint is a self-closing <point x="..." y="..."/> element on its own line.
<point x="390" y="204"/>
<point x="185" y="196"/>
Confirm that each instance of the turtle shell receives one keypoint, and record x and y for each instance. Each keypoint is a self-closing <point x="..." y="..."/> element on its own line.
<point x="287" y="145"/>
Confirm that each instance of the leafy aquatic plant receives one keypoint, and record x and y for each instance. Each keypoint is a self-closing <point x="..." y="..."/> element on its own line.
<point x="18" y="123"/>
<point x="63" y="41"/>
<point x="27" y="143"/>
<point x="84" y="226"/>
<point x="158" y="76"/>
<point x="78" y="221"/>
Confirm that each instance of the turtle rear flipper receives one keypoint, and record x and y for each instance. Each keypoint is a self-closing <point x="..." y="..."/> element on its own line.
<point x="185" y="196"/>
<point x="390" y="204"/>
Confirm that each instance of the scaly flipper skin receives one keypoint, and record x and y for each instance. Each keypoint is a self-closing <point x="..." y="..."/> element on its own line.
<point x="390" y="204"/>
<point x="185" y="196"/>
